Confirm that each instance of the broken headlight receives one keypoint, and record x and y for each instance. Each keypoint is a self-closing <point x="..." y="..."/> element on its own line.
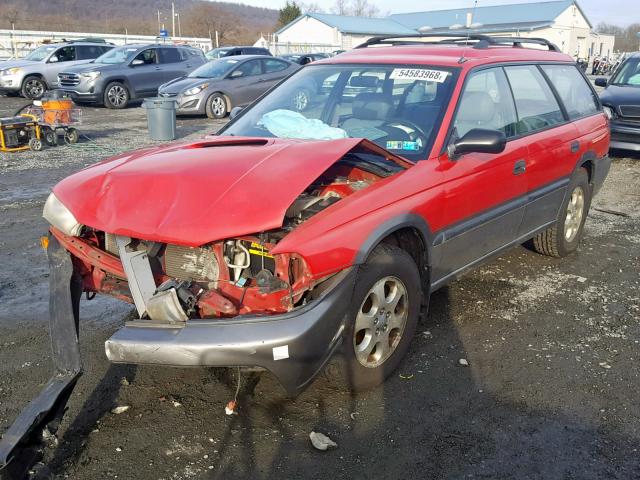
<point x="60" y="217"/>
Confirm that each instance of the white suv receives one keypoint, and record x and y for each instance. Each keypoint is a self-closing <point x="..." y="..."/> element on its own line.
<point x="36" y="73"/>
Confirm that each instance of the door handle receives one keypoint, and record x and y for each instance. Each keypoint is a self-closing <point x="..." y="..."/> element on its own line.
<point x="575" y="146"/>
<point x="519" y="167"/>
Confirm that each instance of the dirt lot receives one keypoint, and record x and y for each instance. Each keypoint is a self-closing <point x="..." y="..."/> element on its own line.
<point x="550" y="391"/>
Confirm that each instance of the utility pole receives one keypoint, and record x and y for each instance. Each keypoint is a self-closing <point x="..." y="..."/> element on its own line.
<point x="173" y="19"/>
<point x="159" y="22"/>
<point x="179" y="27"/>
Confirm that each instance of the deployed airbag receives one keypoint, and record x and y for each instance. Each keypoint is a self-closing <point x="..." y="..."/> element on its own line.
<point x="289" y="124"/>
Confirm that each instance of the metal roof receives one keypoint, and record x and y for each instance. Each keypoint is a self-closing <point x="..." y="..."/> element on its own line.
<point x="362" y="25"/>
<point x="495" y="18"/>
<point x="512" y="14"/>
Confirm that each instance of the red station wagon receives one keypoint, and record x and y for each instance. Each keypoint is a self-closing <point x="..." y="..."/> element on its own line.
<point x="306" y="229"/>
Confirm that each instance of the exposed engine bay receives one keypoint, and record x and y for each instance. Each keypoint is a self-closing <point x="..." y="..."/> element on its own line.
<point x="225" y="278"/>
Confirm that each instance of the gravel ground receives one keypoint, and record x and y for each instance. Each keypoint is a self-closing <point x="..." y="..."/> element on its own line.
<point x="549" y="391"/>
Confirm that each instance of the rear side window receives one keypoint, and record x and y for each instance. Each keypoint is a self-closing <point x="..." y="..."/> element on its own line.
<point x="535" y="103"/>
<point x="486" y="103"/>
<point x="87" y="52"/>
<point x="169" y="55"/>
<point x="272" y="65"/>
<point x="578" y="99"/>
<point x="188" y="53"/>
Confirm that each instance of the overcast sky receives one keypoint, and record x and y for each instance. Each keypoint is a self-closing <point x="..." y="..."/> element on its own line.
<point x="620" y="12"/>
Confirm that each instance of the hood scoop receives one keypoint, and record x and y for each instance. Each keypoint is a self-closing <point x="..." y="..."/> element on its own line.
<point x="231" y="142"/>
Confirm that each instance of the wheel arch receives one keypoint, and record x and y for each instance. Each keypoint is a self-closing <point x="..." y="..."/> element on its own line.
<point x="588" y="162"/>
<point x="409" y="232"/>
<point x="225" y="95"/>
<point x="122" y="80"/>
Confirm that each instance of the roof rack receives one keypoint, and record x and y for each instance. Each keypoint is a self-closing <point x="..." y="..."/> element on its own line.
<point x="475" y="40"/>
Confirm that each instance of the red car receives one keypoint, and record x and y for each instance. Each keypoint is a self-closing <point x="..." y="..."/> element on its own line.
<point x="304" y="230"/>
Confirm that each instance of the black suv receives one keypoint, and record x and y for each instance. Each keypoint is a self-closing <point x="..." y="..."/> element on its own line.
<point x="129" y="72"/>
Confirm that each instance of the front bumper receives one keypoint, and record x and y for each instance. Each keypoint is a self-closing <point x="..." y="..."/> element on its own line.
<point x="81" y="96"/>
<point x="625" y="136"/>
<point x="10" y="83"/>
<point x="293" y="346"/>
<point x="191" y="105"/>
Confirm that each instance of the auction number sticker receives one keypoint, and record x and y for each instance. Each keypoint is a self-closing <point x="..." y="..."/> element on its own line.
<point x="438" y="76"/>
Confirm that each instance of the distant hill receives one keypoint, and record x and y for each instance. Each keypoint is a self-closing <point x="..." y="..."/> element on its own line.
<point x="236" y="23"/>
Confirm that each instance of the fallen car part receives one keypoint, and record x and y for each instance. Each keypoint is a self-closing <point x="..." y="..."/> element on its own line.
<point x="23" y="440"/>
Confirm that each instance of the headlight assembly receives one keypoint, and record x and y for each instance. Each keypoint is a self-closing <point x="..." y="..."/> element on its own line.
<point x="60" y="217"/>
<point x="90" y="75"/>
<point x="10" y="71"/>
<point x="195" y="90"/>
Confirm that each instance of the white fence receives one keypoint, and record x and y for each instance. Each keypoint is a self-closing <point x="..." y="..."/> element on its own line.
<point x="280" y="48"/>
<point x="18" y="43"/>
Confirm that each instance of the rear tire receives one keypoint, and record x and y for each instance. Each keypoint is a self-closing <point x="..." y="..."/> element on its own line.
<point x="35" y="144"/>
<point x="50" y="136"/>
<point x="217" y="106"/>
<point x="564" y="236"/>
<point x="116" y="96"/>
<point x="71" y="135"/>
<point x="382" y="321"/>
<point x="33" y="87"/>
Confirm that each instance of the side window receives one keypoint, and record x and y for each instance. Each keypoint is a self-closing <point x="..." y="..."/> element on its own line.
<point x="148" y="56"/>
<point x="87" y="52"/>
<point x="486" y="103"/>
<point x="104" y="49"/>
<point x="169" y="55"/>
<point x="537" y="107"/>
<point x="272" y="65"/>
<point x="579" y="100"/>
<point x="66" y="54"/>
<point x="252" y="67"/>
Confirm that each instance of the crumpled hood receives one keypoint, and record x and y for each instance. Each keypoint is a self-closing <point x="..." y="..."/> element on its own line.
<point x="195" y="193"/>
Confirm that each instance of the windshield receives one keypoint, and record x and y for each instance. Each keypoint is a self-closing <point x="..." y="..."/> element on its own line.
<point x="216" y="53"/>
<point x="629" y="73"/>
<point x="117" y="55"/>
<point x="397" y="107"/>
<point x="40" y="53"/>
<point x="214" y="69"/>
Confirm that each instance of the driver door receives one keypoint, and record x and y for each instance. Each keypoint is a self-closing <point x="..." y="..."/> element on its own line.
<point x="147" y="76"/>
<point x="485" y="193"/>
<point x="245" y="85"/>
<point x="63" y="56"/>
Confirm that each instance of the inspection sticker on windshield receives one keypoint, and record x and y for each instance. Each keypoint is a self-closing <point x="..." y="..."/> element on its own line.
<point x="426" y="74"/>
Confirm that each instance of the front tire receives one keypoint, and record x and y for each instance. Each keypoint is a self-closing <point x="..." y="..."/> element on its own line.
<point x="383" y="318"/>
<point x="35" y="144"/>
<point x="217" y="106"/>
<point x="33" y="87"/>
<point x="116" y="96"/>
<point x="564" y="236"/>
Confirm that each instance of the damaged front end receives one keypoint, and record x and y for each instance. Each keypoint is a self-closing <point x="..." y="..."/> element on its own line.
<point x="234" y="299"/>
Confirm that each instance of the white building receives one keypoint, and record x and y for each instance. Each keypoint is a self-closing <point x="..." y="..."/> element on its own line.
<point x="562" y="22"/>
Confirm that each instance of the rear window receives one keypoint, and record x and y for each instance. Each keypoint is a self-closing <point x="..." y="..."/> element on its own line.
<point x="535" y="103"/>
<point x="578" y="99"/>
<point x="87" y="52"/>
<point x="273" y="65"/>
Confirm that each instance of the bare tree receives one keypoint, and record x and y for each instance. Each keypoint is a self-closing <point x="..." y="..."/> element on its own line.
<point x="362" y="8"/>
<point x="341" y="7"/>
<point x="311" y="7"/>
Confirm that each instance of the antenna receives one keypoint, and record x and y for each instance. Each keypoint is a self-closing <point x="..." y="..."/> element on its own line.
<point x="468" y="26"/>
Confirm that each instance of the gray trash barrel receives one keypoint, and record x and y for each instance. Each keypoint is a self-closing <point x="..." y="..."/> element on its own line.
<point x="161" y="117"/>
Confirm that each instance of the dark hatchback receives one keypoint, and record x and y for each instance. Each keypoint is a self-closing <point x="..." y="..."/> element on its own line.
<point x="621" y="101"/>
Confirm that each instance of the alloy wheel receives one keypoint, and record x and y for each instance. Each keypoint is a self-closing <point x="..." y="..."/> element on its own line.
<point x="300" y="100"/>
<point x="575" y="212"/>
<point x="381" y="321"/>
<point x="218" y="106"/>
<point x="117" y="96"/>
<point x="34" y="88"/>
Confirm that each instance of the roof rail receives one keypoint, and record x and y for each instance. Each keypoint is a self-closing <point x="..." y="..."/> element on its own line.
<point x="477" y="41"/>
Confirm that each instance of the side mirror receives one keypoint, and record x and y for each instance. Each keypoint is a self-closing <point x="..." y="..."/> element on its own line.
<point x="54" y="59"/>
<point x="235" y="111"/>
<point x="601" y="82"/>
<point x="479" y="140"/>
<point x="236" y="74"/>
<point x="137" y="62"/>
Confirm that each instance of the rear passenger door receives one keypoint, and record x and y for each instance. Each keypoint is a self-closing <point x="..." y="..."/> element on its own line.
<point x="553" y="150"/>
<point x="485" y="193"/>
<point x="171" y="64"/>
<point x="273" y="70"/>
